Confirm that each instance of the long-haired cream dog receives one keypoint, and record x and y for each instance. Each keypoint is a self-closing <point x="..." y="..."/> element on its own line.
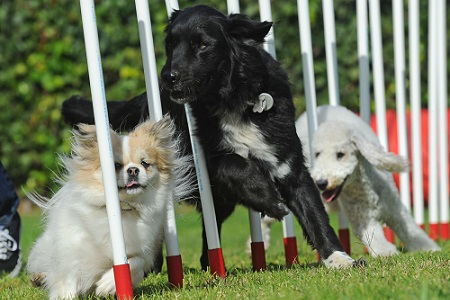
<point x="73" y="256"/>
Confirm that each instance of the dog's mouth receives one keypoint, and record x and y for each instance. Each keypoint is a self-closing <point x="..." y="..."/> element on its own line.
<point x="179" y="96"/>
<point x="132" y="187"/>
<point x="332" y="194"/>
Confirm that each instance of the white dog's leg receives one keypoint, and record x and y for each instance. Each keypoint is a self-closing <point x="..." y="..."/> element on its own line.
<point x="66" y="288"/>
<point x="106" y="284"/>
<point x="413" y="237"/>
<point x="372" y="235"/>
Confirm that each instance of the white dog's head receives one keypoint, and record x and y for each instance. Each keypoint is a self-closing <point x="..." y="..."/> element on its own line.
<point x="143" y="159"/>
<point x="338" y="149"/>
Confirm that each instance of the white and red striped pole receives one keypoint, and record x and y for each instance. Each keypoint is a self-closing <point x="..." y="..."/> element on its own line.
<point x="121" y="268"/>
<point x="308" y="72"/>
<point x="378" y="81"/>
<point x="289" y="238"/>
<point x="363" y="60"/>
<point x="257" y="241"/>
<point x="443" y="132"/>
<point x="400" y="96"/>
<point x="334" y="95"/>
<point x="433" y="64"/>
<point x="173" y="256"/>
<point x="416" y="111"/>
<point x="216" y="261"/>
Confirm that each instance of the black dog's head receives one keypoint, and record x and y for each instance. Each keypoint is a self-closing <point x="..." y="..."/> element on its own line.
<point x="209" y="54"/>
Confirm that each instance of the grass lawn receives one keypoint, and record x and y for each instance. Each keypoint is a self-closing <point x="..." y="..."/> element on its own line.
<point x="407" y="276"/>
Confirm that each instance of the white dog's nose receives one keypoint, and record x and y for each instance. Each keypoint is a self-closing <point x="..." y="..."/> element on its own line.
<point x="322" y="184"/>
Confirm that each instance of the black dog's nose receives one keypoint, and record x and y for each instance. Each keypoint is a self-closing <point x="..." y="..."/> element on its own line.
<point x="133" y="171"/>
<point x="322" y="184"/>
<point x="174" y="76"/>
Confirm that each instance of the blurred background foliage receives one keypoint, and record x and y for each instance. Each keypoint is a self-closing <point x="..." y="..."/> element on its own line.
<point x="43" y="62"/>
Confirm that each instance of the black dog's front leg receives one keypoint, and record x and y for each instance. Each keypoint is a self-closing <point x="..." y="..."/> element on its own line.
<point x="305" y="203"/>
<point x="245" y="181"/>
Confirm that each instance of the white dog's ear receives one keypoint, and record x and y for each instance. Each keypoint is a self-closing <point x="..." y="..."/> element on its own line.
<point x="377" y="156"/>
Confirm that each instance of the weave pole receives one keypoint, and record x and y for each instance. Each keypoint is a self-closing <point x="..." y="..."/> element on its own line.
<point x="378" y="81"/>
<point x="257" y="242"/>
<point x="433" y="63"/>
<point x="215" y="255"/>
<point x="443" y="131"/>
<point x="121" y="268"/>
<point x="400" y="96"/>
<point x="173" y="257"/>
<point x="363" y="60"/>
<point x="289" y="238"/>
<point x="334" y="95"/>
<point x="416" y="126"/>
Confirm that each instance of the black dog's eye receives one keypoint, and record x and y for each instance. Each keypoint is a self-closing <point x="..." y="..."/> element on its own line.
<point x="145" y="164"/>
<point x="340" y="155"/>
<point x="117" y="166"/>
<point x="202" y="46"/>
<point x="317" y="154"/>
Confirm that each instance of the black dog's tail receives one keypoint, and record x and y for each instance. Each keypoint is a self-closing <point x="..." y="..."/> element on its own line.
<point x="123" y="115"/>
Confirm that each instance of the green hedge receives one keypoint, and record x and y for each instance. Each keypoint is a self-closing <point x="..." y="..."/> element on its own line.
<point x="42" y="60"/>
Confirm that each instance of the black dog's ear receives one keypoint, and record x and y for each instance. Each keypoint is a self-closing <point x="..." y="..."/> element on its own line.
<point x="242" y="27"/>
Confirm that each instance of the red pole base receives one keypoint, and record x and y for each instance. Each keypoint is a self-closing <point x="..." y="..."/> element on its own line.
<point x="122" y="278"/>
<point x="258" y="256"/>
<point x="290" y="250"/>
<point x="175" y="270"/>
<point x="433" y="231"/>
<point x="344" y="237"/>
<point x="390" y="236"/>
<point x="216" y="262"/>
<point x="443" y="231"/>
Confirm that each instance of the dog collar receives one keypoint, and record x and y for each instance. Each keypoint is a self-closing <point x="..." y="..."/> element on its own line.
<point x="264" y="103"/>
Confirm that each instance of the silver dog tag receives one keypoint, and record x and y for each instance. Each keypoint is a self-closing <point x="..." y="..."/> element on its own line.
<point x="264" y="103"/>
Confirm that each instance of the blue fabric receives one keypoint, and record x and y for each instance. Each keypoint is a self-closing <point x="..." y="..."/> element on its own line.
<point x="9" y="201"/>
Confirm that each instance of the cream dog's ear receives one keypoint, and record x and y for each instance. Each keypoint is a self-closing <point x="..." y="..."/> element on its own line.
<point x="85" y="140"/>
<point x="377" y="156"/>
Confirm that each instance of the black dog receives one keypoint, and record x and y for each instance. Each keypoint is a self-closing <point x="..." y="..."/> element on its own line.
<point x="242" y="104"/>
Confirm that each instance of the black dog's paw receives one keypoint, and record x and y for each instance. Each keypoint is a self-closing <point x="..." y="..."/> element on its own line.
<point x="276" y="211"/>
<point x="360" y="263"/>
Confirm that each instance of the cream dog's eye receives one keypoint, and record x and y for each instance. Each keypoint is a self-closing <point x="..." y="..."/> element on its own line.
<point x="145" y="164"/>
<point x="316" y="154"/>
<point x="117" y="166"/>
<point x="340" y="155"/>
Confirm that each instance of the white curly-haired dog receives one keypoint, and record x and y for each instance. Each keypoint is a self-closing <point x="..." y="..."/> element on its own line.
<point x="353" y="173"/>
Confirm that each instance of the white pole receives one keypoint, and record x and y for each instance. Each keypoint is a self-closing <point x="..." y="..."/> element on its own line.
<point x="148" y="59"/>
<point x="171" y="6"/>
<point x="378" y="80"/>
<point x="217" y="265"/>
<point x="334" y="95"/>
<point x="288" y="223"/>
<point x="432" y="120"/>
<point x="416" y="118"/>
<point x="308" y="68"/>
<point x="330" y="49"/>
<point x="257" y="241"/>
<point x="105" y="148"/>
<point x="378" y="71"/>
<point x="175" y="269"/>
<point x="443" y="132"/>
<point x="400" y="95"/>
<point x="363" y="60"/>
<point x="233" y="6"/>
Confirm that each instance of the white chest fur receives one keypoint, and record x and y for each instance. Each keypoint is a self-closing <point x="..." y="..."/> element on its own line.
<point x="246" y="139"/>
